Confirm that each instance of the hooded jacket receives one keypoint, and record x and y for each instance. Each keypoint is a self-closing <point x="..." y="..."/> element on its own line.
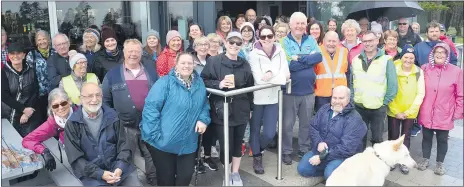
<point x="422" y="51"/>
<point x="166" y="61"/>
<point x="410" y="38"/>
<point x="103" y="62"/>
<point x="216" y="69"/>
<point x="443" y="101"/>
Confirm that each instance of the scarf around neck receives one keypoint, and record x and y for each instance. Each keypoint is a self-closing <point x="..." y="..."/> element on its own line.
<point x="62" y="121"/>
<point x="44" y="52"/>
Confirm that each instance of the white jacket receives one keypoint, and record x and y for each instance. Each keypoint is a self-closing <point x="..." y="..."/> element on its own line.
<point x="260" y="64"/>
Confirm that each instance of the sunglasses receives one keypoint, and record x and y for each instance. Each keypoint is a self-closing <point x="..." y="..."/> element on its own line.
<point x="263" y="37"/>
<point x="63" y="104"/>
<point x="402" y="23"/>
<point x="238" y="43"/>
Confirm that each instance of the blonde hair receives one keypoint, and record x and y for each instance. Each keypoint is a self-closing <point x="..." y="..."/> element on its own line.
<point x="215" y="37"/>
<point x="218" y="24"/>
<point x="390" y="33"/>
<point x="351" y="23"/>
<point x="200" y="40"/>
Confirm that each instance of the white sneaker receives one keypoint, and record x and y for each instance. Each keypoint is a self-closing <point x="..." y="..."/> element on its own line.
<point x="214" y="152"/>
<point x="236" y="180"/>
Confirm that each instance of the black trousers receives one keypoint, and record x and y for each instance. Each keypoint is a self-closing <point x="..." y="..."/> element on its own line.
<point x="375" y="121"/>
<point x="442" y="143"/>
<point x="173" y="169"/>
<point x="208" y="140"/>
<point x="236" y="134"/>
<point x="397" y="127"/>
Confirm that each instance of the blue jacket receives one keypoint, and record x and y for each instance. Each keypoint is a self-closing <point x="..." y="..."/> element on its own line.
<point x="171" y="112"/>
<point x="88" y="157"/>
<point x="302" y="71"/>
<point x="423" y="49"/>
<point x="343" y="133"/>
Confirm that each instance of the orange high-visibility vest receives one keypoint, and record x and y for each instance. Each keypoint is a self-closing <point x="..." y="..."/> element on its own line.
<point x="331" y="73"/>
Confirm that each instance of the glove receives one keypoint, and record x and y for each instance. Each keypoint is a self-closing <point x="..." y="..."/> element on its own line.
<point x="50" y="163"/>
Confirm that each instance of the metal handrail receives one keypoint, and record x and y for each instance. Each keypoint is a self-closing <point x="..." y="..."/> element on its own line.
<point x="231" y="93"/>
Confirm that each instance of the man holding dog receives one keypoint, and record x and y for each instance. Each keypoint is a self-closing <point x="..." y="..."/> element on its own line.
<point x="336" y="132"/>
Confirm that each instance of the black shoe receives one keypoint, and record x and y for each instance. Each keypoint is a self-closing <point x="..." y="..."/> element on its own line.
<point x="287" y="159"/>
<point x="210" y="164"/>
<point x="201" y="168"/>
<point x="258" y="165"/>
<point x="300" y="155"/>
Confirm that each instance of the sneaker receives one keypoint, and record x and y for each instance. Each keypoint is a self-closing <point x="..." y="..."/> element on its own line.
<point x="258" y="165"/>
<point x="214" y="152"/>
<point x="415" y="130"/>
<point x="423" y="164"/>
<point x="404" y="169"/>
<point x="210" y="164"/>
<point x="287" y="159"/>
<point x="440" y="169"/>
<point x="201" y="168"/>
<point x="236" y="180"/>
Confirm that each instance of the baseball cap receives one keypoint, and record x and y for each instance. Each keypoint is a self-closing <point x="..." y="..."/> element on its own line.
<point x="442" y="28"/>
<point x="234" y="34"/>
<point x="16" y="47"/>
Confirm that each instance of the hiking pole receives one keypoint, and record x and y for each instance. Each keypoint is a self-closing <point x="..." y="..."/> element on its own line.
<point x="198" y="159"/>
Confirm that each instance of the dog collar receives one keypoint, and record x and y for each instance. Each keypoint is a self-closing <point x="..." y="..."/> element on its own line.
<point x="375" y="152"/>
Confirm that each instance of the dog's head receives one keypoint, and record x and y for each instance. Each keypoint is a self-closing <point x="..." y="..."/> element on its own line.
<point x="394" y="152"/>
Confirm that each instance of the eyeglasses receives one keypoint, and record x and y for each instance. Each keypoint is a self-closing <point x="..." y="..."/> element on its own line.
<point x="63" y="104"/>
<point x="203" y="45"/>
<point x="263" y="37"/>
<point x="238" y="43"/>
<point x="99" y="95"/>
<point x="402" y="23"/>
<point x="369" y="41"/>
<point x="61" y="44"/>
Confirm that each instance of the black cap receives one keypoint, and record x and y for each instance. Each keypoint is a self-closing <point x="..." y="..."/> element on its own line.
<point x="16" y="47"/>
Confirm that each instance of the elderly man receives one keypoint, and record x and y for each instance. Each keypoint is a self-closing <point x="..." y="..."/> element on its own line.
<point x="364" y="24"/>
<point x="333" y="70"/>
<point x="302" y="54"/>
<point x="374" y="84"/>
<point x="250" y="15"/>
<point x="406" y="33"/>
<point x="58" y="62"/>
<point x="126" y="93"/>
<point x="95" y="143"/>
<point x="336" y="132"/>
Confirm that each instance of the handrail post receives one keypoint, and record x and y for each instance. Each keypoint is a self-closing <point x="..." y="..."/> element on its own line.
<point x="226" y="143"/>
<point x="279" y="137"/>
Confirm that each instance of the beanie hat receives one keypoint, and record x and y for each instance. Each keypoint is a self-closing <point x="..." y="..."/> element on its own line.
<point x="247" y="24"/>
<point x="93" y="32"/>
<point x="153" y="33"/>
<point x="407" y="49"/>
<point x="108" y="32"/>
<point x="171" y="35"/>
<point x="375" y="27"/>
<point x="74" y="56"/>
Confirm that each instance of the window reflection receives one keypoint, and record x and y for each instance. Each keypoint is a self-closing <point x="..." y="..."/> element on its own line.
<point x="181" y="15"/>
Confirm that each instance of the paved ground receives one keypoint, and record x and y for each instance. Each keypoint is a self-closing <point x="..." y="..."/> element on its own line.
<point x="453" y="177"/>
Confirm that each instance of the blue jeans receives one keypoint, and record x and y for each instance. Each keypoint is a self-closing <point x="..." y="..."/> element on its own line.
<point x="269" y="115"/>
<point x="325" y="168"/>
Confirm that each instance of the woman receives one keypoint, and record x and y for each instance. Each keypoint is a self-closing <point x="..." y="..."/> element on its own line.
<point x="37" y="59"/>
<point x="281" y="30"/>
<point x="110" y="57"/>
<point x="72" y="84"/>
<point x="350" y="31"/>
<point x="223" y="27"/>
<point x="239" y="21"/>
<point x="316" y="30"/>
<point x="443" y="104"/>
<point x="377" y="29"/>
<point x="215" y="44"/>
<point x="90" y="45"/>
<point x="20" y="89"/>
<point x="176" y="111"/>
<point x="332" y="25"/>
<point x="153" y="47"/>
<point x="195" y="31"/>
<point x="269" y="66"/>
<point x="201" y="46"/>
<point x="405" y="106"/>
<point x="59" y="111"/>
<point x="390" y="38"/>
<point x="167" y="60"/>
<point x="227" y="72"/>
<point x="416" y="28"/>
<point x="248" y="34"/>
<point x="260" y="22"/>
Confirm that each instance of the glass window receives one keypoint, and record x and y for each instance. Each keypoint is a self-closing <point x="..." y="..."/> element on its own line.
<point x="21" y="20"/>
<point x="74" y="17"/>
<point x="181" y="15"/>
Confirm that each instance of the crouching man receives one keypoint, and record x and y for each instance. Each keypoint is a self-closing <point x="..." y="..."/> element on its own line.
<point x="95" y="143"/>
<point x="336" y="134"/>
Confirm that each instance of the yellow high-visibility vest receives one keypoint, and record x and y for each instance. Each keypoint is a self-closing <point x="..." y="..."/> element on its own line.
<point x="71" y="89"/>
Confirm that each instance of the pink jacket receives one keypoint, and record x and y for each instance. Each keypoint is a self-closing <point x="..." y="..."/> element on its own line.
<point x="443" y="101"/>
<point x="48" y="129"/>
<point x="356" y="50"/>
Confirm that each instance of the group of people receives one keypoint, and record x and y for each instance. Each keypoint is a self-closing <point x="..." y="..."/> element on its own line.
<point x="106" y="101"/>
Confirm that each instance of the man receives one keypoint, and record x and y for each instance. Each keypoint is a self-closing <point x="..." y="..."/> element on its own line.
<point x="374" y="84"/>
<point x="126" y="93"/>
<point x="332" y="72"/>
<point x="364" y="24"/>
<point x="445" y="39"/>
<point x="423" y="49"/>
<point x="4" y="47"/>
<point x="302" y="54"/>
<point x="250" y="15"/>
<point x="58" y="62"/>
<point x="406" y="34"/>
<point x="337" y="129"/>
<point x="95" y="143"/>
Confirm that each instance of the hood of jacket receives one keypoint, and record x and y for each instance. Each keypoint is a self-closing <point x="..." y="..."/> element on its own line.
<point x="26" y="67"/>
<point x="235" y="63"/>
<point x="448" y="54"/>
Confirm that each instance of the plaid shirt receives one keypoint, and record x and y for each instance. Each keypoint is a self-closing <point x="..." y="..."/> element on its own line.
<point x="4" y="55"/>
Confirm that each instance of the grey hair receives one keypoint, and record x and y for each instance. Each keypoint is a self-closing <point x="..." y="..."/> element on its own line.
<point x="297" y="15"/>
<point x="200" y="40"/>
<point x="45" y="34"/>
<point x="132" y="41"/>
<point x="351" y="23"/>
<point x="60" y="34"/>
<point x="54" y="94"/>
<point x="331" y="33"/>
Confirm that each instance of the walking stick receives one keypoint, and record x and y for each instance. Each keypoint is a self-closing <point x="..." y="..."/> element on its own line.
<point x="198" y="159"/>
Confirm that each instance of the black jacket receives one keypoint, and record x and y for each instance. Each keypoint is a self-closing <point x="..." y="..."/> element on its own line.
<point x="58" y="67"/>
<point x="240" y="106"/>
<point x="410" y="38"/>
<point x="103" y="62"/>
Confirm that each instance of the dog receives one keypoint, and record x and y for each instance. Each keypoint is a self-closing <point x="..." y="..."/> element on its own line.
<point x="371" y="167"/>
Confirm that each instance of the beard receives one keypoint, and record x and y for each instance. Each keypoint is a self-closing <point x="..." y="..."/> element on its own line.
<point x="92" y="109"/>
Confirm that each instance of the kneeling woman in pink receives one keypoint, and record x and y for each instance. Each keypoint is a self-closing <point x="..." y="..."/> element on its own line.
<point x="442" y="105"/>
<point x="59" y="112"/>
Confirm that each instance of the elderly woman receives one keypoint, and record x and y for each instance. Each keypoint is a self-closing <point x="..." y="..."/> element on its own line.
<point x="350" y="31"/>
<point x="215" y="44"/>
<point x="248" y="33"/>
<point x="316" y="30"/>
<point x="332" y="25"/>
<point x="37" y="58"/>
<point x="442" y="105"/>
<point x="72" y="84"/>
<point x="229" y="72"/>
<point x="201" y="46"/>
<point x="59" y="111"/>
<point x="223" y="27"/>
<point x="110" y="57"/>
<point x="90" y="45"/>
<point x="269" y="66"/>
<point x="176" y="111"/>
<point x="195" y="31"/>
<point x="390" y="38"/>
<point x="20" y="89"/>
<point x="153" y="48"/>
<point x="281" y="30"/>
<point x="405" y="106"/>
<point x="167" y="59"/>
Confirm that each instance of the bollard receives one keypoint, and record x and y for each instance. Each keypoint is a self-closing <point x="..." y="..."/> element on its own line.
<point x="226" y="143"/>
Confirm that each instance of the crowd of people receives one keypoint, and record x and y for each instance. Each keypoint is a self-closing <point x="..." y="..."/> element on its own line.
<point x="105" y="102"/>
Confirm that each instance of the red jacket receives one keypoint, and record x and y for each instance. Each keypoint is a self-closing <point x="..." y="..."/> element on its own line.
<point x="450" y="43"/>
<point x="165" y="62"/>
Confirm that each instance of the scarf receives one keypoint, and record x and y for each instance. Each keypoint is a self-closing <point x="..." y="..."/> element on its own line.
<point x="187" y="83"/>
<point x="44" y="52"/>
<point x="61" y="121"/>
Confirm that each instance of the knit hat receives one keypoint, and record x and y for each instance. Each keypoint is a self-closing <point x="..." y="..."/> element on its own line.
<point x="407" y="49"/>
<point x="74" y="56"/>
<point x="153" y="33"/>
<point x="234" y="34"/>
<point x="375" y="27"/>
<point x="93" y="32"/>
<point x="247" y="24"/>
<point x="171" y="35"/>
<point x="108" y="32"/>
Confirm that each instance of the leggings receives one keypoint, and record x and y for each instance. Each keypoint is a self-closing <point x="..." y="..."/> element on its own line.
<point x="236" y="134"/>
<point x="394" y="126"/>
<point x="269" y="115"/>
<point x="442" y="143"/>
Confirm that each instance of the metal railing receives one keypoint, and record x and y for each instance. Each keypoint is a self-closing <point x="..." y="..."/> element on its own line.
<point x="226" y="94"/>
<point x="460" y="50"/>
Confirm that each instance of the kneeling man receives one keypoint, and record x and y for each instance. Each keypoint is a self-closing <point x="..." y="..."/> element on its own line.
<point x="336" y="134"/>
<point x="95" y="143"/>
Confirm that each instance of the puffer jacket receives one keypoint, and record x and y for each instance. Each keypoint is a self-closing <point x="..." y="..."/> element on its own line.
<point x="104" y="62"/>
<point x="343" y="133"/>
<point x="171" y="112"/>
<point x="443" y="101"/>
<point x="166" y="61"/>
<point x="39" y="63"/>
<point x="411" y="92"/>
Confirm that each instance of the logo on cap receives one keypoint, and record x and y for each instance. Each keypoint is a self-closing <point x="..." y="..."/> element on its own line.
<point x="411" y="50"/>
